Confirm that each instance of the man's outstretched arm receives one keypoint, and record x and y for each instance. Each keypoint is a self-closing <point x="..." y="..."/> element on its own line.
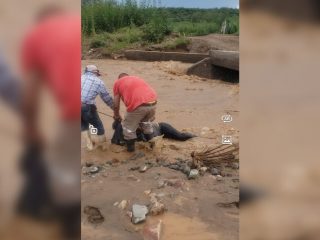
<point x="105" y="96"/>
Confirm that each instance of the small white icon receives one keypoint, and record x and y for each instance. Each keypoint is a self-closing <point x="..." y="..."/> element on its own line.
<point x="226" y="118"/>
<point x="93" y="130"/>
<point x="227" y="140"/>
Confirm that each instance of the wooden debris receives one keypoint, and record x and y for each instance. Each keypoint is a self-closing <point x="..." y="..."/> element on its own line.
<point x="211" y="156"/>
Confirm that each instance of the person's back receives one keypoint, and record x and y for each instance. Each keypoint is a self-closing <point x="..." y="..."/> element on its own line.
<point x="53" y="49"/>
<point x="140" y="100"/>
<point x="134" y="91"/>
<point x="91" y="81"/>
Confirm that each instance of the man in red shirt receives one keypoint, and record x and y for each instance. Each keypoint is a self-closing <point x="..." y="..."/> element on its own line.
<point x="140" y="100"/>
<point x="51" y="55"/>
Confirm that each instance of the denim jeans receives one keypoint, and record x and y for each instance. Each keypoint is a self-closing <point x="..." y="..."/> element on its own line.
<point x="89" y="115"/>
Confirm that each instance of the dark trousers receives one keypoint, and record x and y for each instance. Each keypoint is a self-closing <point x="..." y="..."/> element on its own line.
<point x="170" y="132"/>
<point x="165" y="129"/>
<point x="89" y="115"/>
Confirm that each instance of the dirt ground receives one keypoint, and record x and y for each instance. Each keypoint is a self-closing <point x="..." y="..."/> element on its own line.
<point x="194" y="209"/>
<point x="202" y="44"/>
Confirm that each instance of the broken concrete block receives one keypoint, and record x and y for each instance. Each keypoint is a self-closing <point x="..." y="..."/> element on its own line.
<point x="139" y="213"/>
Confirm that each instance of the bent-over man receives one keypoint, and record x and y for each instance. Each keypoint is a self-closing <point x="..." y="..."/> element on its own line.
<point x="140" y="100"/>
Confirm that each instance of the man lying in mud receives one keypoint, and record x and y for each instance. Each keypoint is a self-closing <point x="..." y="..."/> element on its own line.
<point x="158" y="129"/>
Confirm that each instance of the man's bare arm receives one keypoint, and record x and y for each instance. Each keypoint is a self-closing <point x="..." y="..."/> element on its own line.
<point x="30" y="107"/>
<point x="116" y="107"/>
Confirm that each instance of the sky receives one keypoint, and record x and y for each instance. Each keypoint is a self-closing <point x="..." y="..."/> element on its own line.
<point x="201" y="3"/>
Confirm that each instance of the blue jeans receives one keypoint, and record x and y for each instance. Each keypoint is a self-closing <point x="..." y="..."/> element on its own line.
<point x="89" y="115"/>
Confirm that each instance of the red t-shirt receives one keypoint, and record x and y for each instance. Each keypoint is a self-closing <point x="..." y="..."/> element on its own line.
<point x="133" y="91"/>
<point x="53" y="48"/>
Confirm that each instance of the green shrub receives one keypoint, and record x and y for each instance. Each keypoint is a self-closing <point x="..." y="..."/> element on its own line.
<point x="157" y="29"/>
<point x="196" y="29"/>
<point x="98" y="40"/>
<point x="181" y="42"/>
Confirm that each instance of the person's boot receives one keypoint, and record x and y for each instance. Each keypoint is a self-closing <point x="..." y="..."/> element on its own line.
<point x="99" y="141"/>
<point x="130" y="145"/>
<point x="148" y="137"/>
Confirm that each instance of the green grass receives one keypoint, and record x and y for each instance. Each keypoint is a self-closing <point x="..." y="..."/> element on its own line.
<point x="195" y="29"/>
<point x="114" y="42"/>
<point x="113" y="26"/>
<point x="181" y="42"/>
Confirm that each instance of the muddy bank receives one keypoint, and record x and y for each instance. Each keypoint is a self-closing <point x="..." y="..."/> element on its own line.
<point x="197" y="45"/>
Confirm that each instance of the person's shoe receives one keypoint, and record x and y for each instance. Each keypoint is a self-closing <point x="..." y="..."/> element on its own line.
<point x="99" y="141"/>
<point x="130" y="145"/>
<point x="148" y="137"/>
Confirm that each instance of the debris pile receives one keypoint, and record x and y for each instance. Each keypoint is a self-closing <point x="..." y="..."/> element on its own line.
<point x="212" y="156"/>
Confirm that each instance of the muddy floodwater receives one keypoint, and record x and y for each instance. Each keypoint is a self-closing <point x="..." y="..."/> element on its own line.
<point x="195" y="209"/>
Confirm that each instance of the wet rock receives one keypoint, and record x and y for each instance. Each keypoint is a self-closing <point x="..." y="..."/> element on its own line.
<point x="93" y="169"/>
<point x="136" y="168"/>
<point x="152" y="231"/>
<point x="137" y="156"/>
<point x="186" y="169"/>
<point x="89" y="164"/>
<point x="219" y="178"/>
<point x="147" y="192"/>
<point x="129" y="214"/>
<point x="143" y="169"/>
<point x="180" y="160"/>
<point x="160" y="195"/>
<point x="93" y="214"/>
<point x="157" y="208"/>
<point x="177" y="183"/>
<point x="139" y="213"/>
<point x="194" y="173"/>
<point x="115" y="161"/>
<point x="133" y="178"/>
<point x="215" y="171"/>
<point x="109" y="162"/>
<point x="161" y="160"/>
<point x="161" y="184"/>
<point x="203" y="170"/>
<point x="175" y="167"/>
<point x="213" y="177"/>
<point x="165" y="164"/>
<point x="123" y="204"/>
